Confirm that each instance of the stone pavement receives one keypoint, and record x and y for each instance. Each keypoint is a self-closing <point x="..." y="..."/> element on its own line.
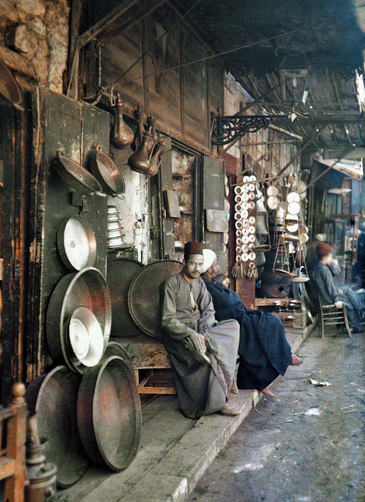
<point x="306" y="445"/>
<point x="175" y="452"/>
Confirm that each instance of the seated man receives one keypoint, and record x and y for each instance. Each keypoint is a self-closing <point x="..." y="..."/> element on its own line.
<point x="263" y="349"/>
<point x="203" y="352"/>
<point x="328" y="292"/>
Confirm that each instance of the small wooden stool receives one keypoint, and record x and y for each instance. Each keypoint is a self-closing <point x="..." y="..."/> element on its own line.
<point x="151" y="365"/>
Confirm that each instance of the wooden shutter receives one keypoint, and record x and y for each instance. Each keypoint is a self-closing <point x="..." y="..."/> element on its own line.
<point x="213" y="199"/>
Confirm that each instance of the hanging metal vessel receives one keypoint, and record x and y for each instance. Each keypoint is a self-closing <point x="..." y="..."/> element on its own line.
<point x="53" y="397"/>
<point x="273" y="202"/>
<point x="122" y="135"/>
<point x="144" y="296"/>
<point x="272" y="191"/>
<point x="88" y="289"/>
<point x="120" y="275"/>
<point x="109" y="413"/>
<point x="76" y="176"/>
<point x="294" y="208"/>
<point x="76" y="243"/>
<point x="105" y="170"/>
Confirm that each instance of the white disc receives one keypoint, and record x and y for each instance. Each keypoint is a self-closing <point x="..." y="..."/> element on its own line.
<point x="293" y="197"/>
<point x="294" y="208"/>
<point x="273" y="202"/>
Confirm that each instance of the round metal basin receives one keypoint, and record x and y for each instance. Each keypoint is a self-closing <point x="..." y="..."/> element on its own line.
<point x="120" y="274"/>
<point x="145" y="294"/>
<point x="109" y="414"/>
<point x="76" y="176"/>
<point x="76" y="243"/>
<point x="86" y="288"/>
<point x="86" y="337"/>
<point x="107" y="172"/>
<point x="54" y="398"/>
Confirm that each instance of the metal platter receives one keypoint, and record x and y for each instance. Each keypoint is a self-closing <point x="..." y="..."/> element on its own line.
<point x="76" y="176"/>
<point x="76" y="243"/>
<point x="144" y="296"/>
<point x="54" y="397"/>
<point x="86" y="337"/>
<point x="273" y="202"/>
<point x="120" y="274"/>
<point x="104" y="168"/>
<point x="88" y="289"/>
<point x="109" y="413"/>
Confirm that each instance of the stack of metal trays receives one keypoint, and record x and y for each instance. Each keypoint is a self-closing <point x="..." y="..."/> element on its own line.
<point x="115" y="234"/>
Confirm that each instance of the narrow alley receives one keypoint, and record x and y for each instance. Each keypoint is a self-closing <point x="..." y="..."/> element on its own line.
<point x="307" y="444"/>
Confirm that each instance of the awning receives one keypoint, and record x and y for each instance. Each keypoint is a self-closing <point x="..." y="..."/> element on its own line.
<point x="350" y="168"/>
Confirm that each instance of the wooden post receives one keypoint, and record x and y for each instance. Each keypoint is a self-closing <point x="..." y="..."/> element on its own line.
<point x="15" y="445"/>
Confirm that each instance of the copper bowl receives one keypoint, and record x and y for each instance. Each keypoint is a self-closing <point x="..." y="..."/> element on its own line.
<point x="53" y="398"/>
<point x="76" y="243"/>
<point x="109" y="413"/>
<point x="88" y="289"/>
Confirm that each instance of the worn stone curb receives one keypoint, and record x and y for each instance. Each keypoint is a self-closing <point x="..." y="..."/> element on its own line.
<point x="176" y="475"/>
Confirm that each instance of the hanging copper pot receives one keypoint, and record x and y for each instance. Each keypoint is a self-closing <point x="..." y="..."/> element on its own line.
<point x="155" y="159"/>
<point x="123" y="135"/>
<point x="140" y="160"/>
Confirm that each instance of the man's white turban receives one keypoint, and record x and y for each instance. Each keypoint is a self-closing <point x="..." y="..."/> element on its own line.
<point x="209" y="258"/>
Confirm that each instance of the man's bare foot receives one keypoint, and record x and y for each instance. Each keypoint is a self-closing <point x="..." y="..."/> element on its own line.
<point x="295" y="361"/>
<point x="230" y="410"/>
<point x="267" y="392"/>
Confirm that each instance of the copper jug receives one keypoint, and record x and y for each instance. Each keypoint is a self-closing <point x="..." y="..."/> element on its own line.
<point x="155" y="162"/>
<point x="140" y="160"/>
<point x="123" y="135"/>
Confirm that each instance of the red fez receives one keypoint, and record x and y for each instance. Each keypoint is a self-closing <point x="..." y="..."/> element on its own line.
<point x="323" y="249"/>
<point x="192" y="248"/>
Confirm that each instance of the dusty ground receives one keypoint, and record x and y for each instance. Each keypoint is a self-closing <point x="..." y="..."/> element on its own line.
<point x="285" y="453"/>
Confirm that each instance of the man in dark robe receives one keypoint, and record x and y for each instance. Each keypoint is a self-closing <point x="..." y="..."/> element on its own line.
<point x="329" y="294"/>
<point x="203" y="352"/>
<point x="263" y="349"/>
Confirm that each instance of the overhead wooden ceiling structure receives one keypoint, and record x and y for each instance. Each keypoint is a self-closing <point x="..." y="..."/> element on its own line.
<point x="325" y="35"/>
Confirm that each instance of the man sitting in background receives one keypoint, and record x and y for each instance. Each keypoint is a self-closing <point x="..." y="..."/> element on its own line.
<point x="327" y="290"/>
<point x="203" y="352"/>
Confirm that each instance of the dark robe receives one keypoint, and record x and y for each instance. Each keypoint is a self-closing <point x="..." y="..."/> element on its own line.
<point x="187" y="309"/>
<point x="263" y="349"/>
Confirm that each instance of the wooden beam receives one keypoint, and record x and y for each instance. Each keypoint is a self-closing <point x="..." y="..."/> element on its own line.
<point x="355" y="153"/>
<point x="103" y="23"/>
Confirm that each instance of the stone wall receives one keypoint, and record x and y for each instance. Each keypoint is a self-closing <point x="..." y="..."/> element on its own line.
<point x="34" y="39"/>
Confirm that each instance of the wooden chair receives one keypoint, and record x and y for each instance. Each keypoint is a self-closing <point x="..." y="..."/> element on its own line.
<point x="12" y="446"/>
<point x="328" y="315"/>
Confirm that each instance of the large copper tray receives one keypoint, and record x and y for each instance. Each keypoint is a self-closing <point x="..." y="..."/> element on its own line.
<point x="109" y="413"/>
<point x="88" y="289"/>
<point x="119" y="277"/>
<point x="145" y="294"/>
<point x="54" y="397"/>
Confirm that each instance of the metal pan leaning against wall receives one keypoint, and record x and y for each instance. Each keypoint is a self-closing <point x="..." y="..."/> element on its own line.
<point x="53" y="397"/>
<point x="87" y="289"/>
<point x="109" y="413"/>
